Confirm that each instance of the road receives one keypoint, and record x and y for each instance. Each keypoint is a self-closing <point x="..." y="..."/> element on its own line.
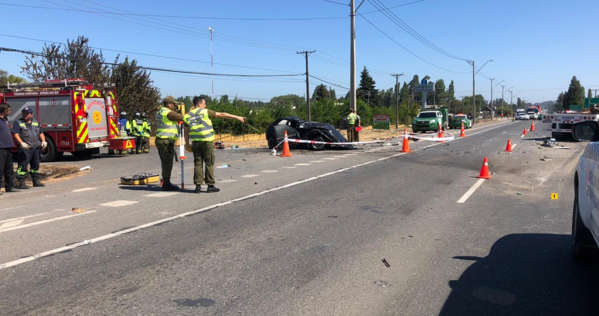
<point x="306" y="235"/>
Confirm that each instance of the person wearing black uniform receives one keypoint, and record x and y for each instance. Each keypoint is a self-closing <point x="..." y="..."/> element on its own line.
<point x="31" y="140"/>
<point x="6" y="143"/>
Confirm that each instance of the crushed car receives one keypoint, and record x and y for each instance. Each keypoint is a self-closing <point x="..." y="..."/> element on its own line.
<point x="306" y="130"/>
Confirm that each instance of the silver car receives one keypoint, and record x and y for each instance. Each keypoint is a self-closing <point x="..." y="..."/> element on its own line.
<point x="585" y="218"/>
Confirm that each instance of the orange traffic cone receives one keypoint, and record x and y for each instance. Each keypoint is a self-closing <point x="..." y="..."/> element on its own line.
<point x="524" y="132"/>
<point x="532" y="126"/>
<point x="406" y="143"/>
<point x="286" y="151"/>
<point x="440" y="134"/>
<point x="462" y="133"/>
<point x="508" y="148"/>
<point x="484" y="171"/>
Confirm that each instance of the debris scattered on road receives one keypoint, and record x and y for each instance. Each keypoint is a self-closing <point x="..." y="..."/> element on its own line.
<point x="549" y="142"/>
<point x="243" y="159"/>
<point x="332" y="216"/>
<point x="225" y="165"/>
<point x="235" y="147"/>
<point x="546" y="159"/>
<point x="77" y="210"/>
<point x="382" y="283"/>
<point x="518" y="193"/>
<point x="85" y="168"/>
<point x="255" y="183"/>
<point x="273" y="152"/>
<point x="386" y="263"/>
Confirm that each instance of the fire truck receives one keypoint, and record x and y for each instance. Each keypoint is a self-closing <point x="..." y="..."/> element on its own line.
<point x="75" y="116"/>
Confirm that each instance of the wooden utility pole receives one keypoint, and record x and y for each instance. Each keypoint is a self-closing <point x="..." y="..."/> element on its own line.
<point x="396" y="99"/>
<point x="306" y="53"/>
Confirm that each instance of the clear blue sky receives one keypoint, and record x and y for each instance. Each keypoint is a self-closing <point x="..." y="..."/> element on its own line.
<point x="537" y="45"/>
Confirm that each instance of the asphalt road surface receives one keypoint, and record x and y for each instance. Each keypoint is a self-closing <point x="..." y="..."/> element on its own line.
<point x="307" y="235"/>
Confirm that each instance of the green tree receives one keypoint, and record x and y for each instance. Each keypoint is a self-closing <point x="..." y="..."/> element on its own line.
<point x="5" y="78"/>
<point x="74" y="60"/>
<point x="320" y="93"/>
<point x="451" y="91"/>
<point x="574" y="95"/>
<point x="367" y="89"/>
<point x="134" y="88"/>
<point x="440" y="91"/>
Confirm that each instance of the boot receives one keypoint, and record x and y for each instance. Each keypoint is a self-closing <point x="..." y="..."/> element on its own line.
<point x="168" y="186"/>
<point x="212" y="189"/>
<point x="36" y="181"/>
<point x="198" y="189"/>
<point x="21" y="184"/>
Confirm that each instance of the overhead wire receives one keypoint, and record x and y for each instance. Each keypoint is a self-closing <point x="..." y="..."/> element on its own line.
<point x="329" y="82"/>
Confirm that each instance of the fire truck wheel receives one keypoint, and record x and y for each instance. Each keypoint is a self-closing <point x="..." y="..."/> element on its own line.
<point x="49" y="154"/>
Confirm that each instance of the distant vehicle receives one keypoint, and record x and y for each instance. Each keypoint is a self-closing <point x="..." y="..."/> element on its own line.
<point x="585" y="215"/>
<point x="522" y="116"/>
<point x="430" y="121"/>
<point x="534" y="111"/>
<point x="307" y="130"/>
<point x="457" y="120"/>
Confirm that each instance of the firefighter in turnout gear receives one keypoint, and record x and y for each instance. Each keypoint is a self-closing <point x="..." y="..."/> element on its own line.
<point x="31" y="141"/>
<point x="147" y="131"/>
<point x="137" y="128"/>
<point x="201" y="134"/>
<point x="166" y="135"/>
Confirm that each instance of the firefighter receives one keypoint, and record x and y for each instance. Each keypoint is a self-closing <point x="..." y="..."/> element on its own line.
<point x="166" y="135"/>
<point x="201" y="135"/>
<point x="137" y="128"/>
<point x="6" y="143"/>
<point x="31" y="140"/>
<point x="147" y="131"/>
<point x="353" y="121"/>
<point x="123" y="124"/>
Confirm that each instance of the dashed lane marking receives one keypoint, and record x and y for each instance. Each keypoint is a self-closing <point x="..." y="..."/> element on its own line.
<point x="227" y="181"/>
<point x="289" y="167"/>
<point x="83" y="190"/>
<point x="329" y="158"/>
<point x="161" y="194"/>
<point x="45" y="221"/>
<point x="269" y="171"/>
<point x="202" y="210"/>
<point x="317" y="161"/>
<point x="302" y="164"/>
<point x="119" y="203"/>
<point x="249" y="176"/>
<point x="470" y="191"/>
<point x="21" y="218"/>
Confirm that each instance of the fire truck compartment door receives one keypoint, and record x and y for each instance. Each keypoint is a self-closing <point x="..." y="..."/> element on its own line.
<point x="17" y="104"/>
<point x="96" y="118"/>
<point x="55" y="112"/>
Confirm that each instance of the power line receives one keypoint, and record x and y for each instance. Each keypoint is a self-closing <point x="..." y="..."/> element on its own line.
<point x="329" y="82"/>
<point x="407" y="49"/>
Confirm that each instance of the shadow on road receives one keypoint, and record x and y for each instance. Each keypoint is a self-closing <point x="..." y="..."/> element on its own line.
<point x="526" y="274"/>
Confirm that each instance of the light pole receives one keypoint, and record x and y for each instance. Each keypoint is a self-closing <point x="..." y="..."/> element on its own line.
<point x="472" y="62"/>
<point x="211" y="30"/>
<point x="491" y="101"/>
<point x="502" y="99"/>
<point x="397" y="99"/>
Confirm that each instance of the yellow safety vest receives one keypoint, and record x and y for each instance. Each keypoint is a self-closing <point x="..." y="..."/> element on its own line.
<point x="351" y="118"/>
<point x="167" y="129"/>
<point x="200" y="125"/>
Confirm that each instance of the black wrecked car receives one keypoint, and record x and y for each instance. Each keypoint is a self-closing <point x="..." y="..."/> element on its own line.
<point x="307" y="130"/>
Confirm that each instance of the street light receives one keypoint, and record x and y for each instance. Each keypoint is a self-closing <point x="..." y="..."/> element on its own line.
<point x="474" y="72"/>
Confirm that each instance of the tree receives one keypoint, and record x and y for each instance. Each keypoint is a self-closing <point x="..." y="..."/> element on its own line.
<point x="320" y="93"/>
<point x="439" y="91"/>
<point x="332" y="94"/>
<point x="367" y="89"/>
<point x="574" y="95"/>
<point x="451" y="91"/>
<point x="75" y="60"/>
<point x="135" y="91"/>
<point x="5" y="78"/>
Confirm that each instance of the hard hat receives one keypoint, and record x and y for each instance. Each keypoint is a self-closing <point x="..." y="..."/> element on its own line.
<point x="137" y="114"/>
<point x="123" y="113"/>
<point x="26" y="110"/>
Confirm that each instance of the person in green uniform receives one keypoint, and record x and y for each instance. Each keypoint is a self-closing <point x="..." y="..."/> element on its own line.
<point x="201" y="135"/>
<point x="137" y="127"/>
<point x="147" y="130"/>
<point x="353" y="120"/>
<point x="166" y="135"/>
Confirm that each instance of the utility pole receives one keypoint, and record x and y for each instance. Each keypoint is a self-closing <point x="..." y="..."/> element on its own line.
<point x="306" y="53"/>
<point x="502" y="99"/>
<point x="352" y="71"/>
<point x="473" y="95"/>
<point x="397" y="99"/>
<point x="211" y="30"/>
<point x="491" y="102"/>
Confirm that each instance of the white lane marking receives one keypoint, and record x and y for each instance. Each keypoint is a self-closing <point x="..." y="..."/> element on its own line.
<point x="83" y="190"/>
<point x="339" y="156"/>
<point x="45" y="221"/>
<point x="12" y="208"/>
<point x="470" y="191"/>
<point x="161" y="194"/>
<point x="11" y="224"/>
<point x="227" y="181"/>
<point x="329" y="158"/>
<point x="23" y="217"/>
<point x="514" y="146"/>
<point x="119" y="203"/>
<point x="269" y="171"/>
<point x="316" y="161"/>
<point x="249" y="176"/>
<point x="302" y="164"/>
<point x="288" y="167"/>
<point x="202" y="210"/>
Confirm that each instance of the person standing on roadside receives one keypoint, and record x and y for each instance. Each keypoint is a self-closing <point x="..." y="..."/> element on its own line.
<point x="166" y="135"/>
<point x="31" y="141"/>
<point x="6" y="143"/>
<point x="353" y="121"/>
<point x="201" y="135"/>
<point x="147" y="130"/>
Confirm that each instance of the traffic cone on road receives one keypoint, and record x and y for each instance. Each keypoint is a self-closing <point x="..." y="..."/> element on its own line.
<point x="508" y="148"/>
<point x="532" y="126"/>
<point x="440" y="134"/>
<point x="484" y="171"/>
<point x="524" y="132"/>
<point x="406" y="143"/>
<point x="286" y="151"/>
<point x="462" y="133"/>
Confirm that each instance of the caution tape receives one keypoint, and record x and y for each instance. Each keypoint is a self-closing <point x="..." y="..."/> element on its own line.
<point x="432" y="139"/>
<point x="305" y="141"/>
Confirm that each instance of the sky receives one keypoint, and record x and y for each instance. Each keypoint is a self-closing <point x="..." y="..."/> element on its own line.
<point x="536" y="45"/>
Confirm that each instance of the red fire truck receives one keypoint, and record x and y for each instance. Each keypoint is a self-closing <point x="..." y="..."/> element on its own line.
<point x="75" y="116"/>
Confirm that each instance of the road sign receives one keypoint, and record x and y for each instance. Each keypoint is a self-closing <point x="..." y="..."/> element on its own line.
<point x="381" y="121"/>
